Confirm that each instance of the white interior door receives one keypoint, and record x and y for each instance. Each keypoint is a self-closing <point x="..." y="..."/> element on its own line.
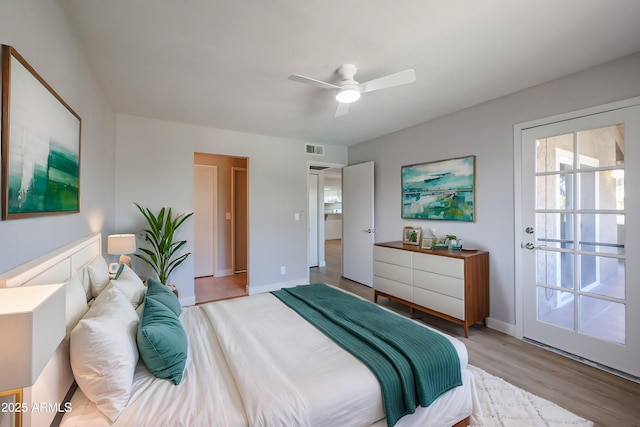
<point x="357" y="223"/>
<point x="580" y="235"/>
<point x="314" y="240"/>
<point x="204" y="178"/>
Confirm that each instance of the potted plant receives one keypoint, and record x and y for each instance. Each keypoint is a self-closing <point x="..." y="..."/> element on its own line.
<point x="163" y="256"/>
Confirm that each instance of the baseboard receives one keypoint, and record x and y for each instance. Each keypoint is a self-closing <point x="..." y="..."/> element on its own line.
<point x="222" y="273"/>
<point x="253" y="290"/>
<point x="499" y="325"/>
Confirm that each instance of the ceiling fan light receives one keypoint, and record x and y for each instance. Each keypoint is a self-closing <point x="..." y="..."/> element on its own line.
<point x="348" y="95"/>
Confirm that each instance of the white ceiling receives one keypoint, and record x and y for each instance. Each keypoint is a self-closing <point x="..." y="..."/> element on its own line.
<point x="225" y="63"/>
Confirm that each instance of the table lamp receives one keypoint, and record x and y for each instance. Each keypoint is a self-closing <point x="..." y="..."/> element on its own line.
<point x="121" y="244"/>
<point x="32" y="325"/>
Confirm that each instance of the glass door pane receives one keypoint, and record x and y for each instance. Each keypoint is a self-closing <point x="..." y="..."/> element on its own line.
<point x="579" y="204"/>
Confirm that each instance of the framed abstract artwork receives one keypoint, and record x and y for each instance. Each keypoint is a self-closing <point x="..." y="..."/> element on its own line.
<point x="442" y="190"/>
<point x="40" y="144"/>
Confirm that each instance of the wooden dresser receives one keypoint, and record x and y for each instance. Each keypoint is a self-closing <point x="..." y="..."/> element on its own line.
<point x="453" y="285"/>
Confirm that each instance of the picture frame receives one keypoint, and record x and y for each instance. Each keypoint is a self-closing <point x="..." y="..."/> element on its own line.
<point x="426" y="243"/>
<point x="440" y="190"/>
<point x="40" y="140"/>
<point x="411" y="235"/>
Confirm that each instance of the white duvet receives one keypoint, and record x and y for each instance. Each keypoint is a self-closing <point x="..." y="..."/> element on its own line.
<point x="255" y="362"/>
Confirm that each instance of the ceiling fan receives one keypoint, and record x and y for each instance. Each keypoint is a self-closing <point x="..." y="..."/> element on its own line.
<point x="350" y="90"/>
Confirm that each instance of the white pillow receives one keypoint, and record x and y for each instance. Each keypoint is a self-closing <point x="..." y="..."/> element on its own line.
<point x="76" y="302"/>
<point x="98" y="275"/>
<point x="86" y="283"/>
<point x="104" y="353"/>
<point x="130" y="285"/>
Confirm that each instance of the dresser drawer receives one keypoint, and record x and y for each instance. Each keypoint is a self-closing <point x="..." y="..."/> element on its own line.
<point x="391" y="271"/>
<point x="391" y="287"/>
<point x="444" y="265"/>
<point x="445" y="304"/>
<point x="392" y="256"/>
<point x="446" y="285"/>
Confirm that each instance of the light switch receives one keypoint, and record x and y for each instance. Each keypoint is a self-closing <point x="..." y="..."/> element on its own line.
<point x="296" y="216"/>
<point x="227" y="215"/>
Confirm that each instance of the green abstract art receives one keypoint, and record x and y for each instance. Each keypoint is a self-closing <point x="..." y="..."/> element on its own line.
<point x="439" y="190"/>
<point x="41" y="145"/>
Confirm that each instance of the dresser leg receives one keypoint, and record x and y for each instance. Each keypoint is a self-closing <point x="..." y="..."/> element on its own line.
<point x="466" y="330"/>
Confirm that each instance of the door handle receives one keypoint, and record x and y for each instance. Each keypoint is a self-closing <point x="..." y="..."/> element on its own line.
<point x="369" y="230"/>
<point x="530" y="246"/>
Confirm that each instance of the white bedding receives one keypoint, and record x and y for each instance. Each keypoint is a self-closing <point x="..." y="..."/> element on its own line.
<point x="259" y="365"/>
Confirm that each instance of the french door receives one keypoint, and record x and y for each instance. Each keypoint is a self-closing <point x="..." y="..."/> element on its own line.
<point x="580" y="258"/>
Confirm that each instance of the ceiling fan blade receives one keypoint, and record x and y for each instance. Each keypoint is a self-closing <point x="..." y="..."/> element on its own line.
<point x="342" y="109"/>
<point x="314" y="82"/>
<point x="400" y="78"/>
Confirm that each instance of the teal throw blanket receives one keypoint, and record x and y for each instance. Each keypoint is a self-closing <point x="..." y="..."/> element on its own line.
<point x="413" y="364"/>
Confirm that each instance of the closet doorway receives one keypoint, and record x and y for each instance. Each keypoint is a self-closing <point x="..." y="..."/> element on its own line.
<point x="221" y="226"/>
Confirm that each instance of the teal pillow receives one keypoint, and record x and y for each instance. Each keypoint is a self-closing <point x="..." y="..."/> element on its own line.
<point x="162" y="341"/>
<point x="162" y="294"/>
<point x="119" y="272"/>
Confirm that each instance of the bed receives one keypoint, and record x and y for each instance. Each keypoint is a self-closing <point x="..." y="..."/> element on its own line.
<point x="255" y="361"/>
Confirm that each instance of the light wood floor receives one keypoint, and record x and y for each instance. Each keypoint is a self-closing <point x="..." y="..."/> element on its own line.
<point x="217" y="288"/>
<point x="603" y="398"/>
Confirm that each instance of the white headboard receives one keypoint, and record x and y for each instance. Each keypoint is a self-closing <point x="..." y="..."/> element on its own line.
<point x="54" y="267"/>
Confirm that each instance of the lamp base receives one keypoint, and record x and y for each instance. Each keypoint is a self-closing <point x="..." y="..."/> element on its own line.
<point x="17" y="404"/>
<point x="113" y="268"/>
<point x="125" y="259"/>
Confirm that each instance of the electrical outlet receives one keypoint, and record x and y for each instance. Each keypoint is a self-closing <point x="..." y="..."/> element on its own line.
<point x="283" y="270"/>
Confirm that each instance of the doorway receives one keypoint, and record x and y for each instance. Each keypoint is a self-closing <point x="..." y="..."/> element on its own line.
<point x="221" y="227"/>
<point x="324" y="197"/>
<point x="574" y="282"/>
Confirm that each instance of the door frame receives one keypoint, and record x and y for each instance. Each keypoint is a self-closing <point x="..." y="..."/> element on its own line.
<point x="321" y="254"/>
<point x="314" y="229"/>
<point x="517" y="180"/>
<point x="234" y="171"/>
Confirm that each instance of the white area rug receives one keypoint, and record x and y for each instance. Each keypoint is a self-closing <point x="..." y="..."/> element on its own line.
<point x="505" y="405"/>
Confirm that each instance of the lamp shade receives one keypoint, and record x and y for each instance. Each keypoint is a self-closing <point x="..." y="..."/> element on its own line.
<point x="118" y="244"/>
<point x="32" y="325"/>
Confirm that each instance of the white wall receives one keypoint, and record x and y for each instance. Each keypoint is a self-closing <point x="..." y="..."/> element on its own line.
<point x="486" y="130"/>
<point x="155" y="168"/>
<point x="42" y="33"/>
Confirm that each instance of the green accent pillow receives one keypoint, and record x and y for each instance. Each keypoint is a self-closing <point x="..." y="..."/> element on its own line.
<point x="119" y="272"/>
<point x="162" y="294"/>
<point x="162" y="341"/>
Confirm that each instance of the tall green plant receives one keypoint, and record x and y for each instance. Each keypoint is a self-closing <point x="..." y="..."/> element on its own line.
<point x="163" y="255"/>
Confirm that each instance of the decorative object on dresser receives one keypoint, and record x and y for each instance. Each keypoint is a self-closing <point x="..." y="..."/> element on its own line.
<point x="427" y="243"/>
<point x="32" y="324"/>
<point x="453" y="285"/>
<point x="439" y="190"/>
<point x="121" y="244"/>
<point x="163" y="255"/>
<point x="40" y="144"/>
<point x="411" y="235"/>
